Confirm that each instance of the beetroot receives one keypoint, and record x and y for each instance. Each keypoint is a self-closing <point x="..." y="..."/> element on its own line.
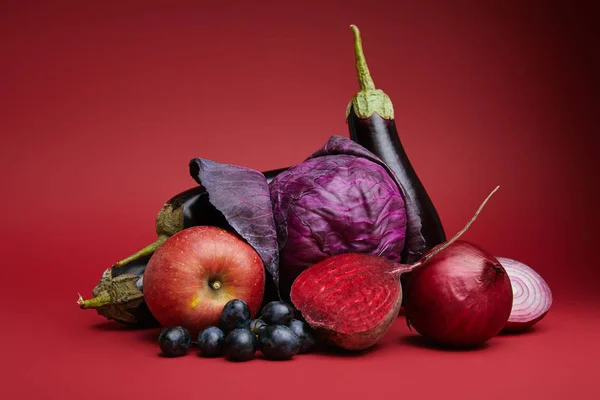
<point x="349" y="299"/>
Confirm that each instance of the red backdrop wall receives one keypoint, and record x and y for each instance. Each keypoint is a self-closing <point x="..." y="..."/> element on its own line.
<point x="104" y="103"/>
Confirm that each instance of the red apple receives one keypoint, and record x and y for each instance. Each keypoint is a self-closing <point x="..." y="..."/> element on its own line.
<point x="193" y="274"/>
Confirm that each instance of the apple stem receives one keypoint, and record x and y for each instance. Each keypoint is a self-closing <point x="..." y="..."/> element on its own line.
<point x="146" y="251"/>
<point x="95" y="302"/>
<point x="216" y="285"/>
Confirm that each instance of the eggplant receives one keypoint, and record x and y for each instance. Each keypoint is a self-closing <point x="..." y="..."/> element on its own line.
<point x="119" y="294"/>
<point x="370" y="119"/>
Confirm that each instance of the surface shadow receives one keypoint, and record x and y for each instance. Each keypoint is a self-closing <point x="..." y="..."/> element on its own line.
<point x="113" y="326"/>
<point x="529" y="331"/>
<point x="334" y="351"/>
<point x="150" y="335"/>
<point x="421" y="342"/>
<point x="144" y="334"/>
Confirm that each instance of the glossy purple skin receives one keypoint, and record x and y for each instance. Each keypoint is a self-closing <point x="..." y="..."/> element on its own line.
<point x="335" y="204"/>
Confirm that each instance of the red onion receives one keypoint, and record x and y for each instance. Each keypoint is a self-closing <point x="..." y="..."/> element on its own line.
<point x="460" y="297"/>
<point x="532" y="297"/>
<point x="457" y="294"/>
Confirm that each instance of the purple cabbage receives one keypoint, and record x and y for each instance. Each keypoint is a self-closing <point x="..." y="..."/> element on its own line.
<point x="341" y="199"/>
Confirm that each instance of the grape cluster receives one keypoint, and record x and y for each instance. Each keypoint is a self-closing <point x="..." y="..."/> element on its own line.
<point x="276" y="334"/>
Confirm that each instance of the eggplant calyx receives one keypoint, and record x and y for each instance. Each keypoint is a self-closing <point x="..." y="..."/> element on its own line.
<point x="169" y="221"/>
<point x="368" y="100"/>
<point x="115" y="297"/>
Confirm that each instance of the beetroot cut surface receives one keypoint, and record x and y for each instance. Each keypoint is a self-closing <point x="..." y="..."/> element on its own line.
<point x="350" y="299"/>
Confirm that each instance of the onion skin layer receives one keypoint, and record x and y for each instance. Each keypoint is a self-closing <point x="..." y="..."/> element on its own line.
<point x="461" y="297"/>
<point x="350" y="300"/>
<point x="528" y="307"/>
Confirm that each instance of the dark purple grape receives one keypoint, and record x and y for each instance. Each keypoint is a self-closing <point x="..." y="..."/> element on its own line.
<point x="174" y="341"/>
<point x="240" y="345"/>
<point x="235" y="314"/>
<point x="304" y="333"/>
<point x="277" y="313"/>
<point x="211" y="342"/>
<point x="278" y="342"/>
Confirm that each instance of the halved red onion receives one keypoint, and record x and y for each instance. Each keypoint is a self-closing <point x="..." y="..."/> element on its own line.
<point x="532" y="297"/>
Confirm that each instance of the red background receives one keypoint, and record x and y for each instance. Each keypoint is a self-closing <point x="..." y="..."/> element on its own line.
<point x="104" y="103"/>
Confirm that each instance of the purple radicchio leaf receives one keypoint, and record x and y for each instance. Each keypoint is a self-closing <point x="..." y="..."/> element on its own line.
<point x="414" y="246"/>
<point x="242" y="195"/>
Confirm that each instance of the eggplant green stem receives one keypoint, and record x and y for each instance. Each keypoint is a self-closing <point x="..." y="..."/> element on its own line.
<point x="364" y="76"/>
<point x="169" y="221"/>
<point x="95" y="302"/>
<point x="368" y="100"/>
<point x="146" y="251"/>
